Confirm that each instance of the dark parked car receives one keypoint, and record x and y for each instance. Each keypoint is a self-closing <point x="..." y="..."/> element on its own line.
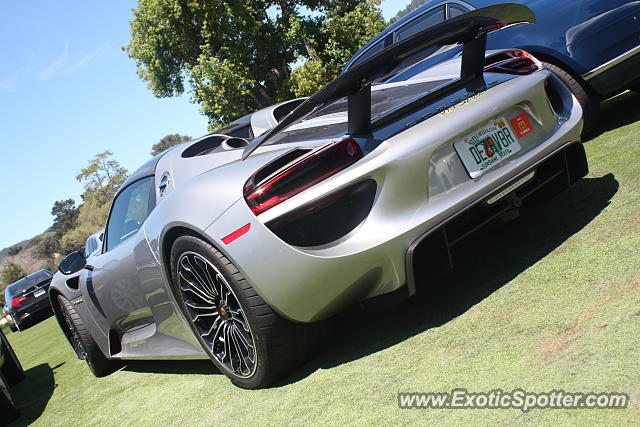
<point x="28" y="300"/>
<point x="593" y="45"/>
<point x="11" y="373"/>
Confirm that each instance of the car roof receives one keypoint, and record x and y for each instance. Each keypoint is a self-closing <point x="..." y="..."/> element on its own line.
<point x="410" y="16"/>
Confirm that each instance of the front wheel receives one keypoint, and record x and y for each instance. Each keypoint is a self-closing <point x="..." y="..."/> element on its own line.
<point x="246" y="340"/>
<point x="12" y="369"/>
<point x="82" y="341"/>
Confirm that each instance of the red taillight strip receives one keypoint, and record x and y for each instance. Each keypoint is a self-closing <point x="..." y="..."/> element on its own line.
<point x="302" y="174"/>
<point x="238" y="233"/>
<point x="17" y="301"/>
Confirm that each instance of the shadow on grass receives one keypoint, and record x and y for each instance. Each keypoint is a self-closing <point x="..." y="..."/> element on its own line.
<point x="616" y="112"/>
<point x="200" y="367"/>
<point x="33" y="394"/>
<point x="485" y="262"/>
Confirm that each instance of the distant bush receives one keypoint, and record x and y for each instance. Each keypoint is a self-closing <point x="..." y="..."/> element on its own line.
<point x="14" y="250"/>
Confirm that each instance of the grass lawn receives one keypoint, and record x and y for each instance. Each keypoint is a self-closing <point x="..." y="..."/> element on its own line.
<point x="558" y="308"/>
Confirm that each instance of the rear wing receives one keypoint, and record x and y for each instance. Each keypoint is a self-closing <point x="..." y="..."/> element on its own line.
<point x="470" y="30"/>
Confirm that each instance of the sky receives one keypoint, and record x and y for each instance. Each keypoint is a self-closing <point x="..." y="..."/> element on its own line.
<point x="68" y="92"/>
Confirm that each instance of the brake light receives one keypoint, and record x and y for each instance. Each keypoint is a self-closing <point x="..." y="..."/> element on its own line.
<point x="17" y="301"/>
<point x="521" y="63"/>
<point x="301" y="175"/>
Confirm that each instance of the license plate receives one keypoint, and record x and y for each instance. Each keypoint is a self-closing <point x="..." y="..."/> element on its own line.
<point x="487" y="146"/>
<point x="39" y="293"/>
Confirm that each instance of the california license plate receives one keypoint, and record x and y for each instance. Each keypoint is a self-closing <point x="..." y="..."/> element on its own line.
<point x="487" y="146"/>
<point x="39" y="293"/>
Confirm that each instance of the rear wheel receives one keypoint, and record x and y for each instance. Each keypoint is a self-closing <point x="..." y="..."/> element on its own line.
<point x="246" y="340"/>
<point x="12" y="324"/>
<point x="8" y="410"/>
<point x="82" y="341"/>
<point x="12" y="369"/>
<point x="589" y="101"/>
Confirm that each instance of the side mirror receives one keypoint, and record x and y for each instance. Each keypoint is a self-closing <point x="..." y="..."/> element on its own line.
<point x="72" y="263"/>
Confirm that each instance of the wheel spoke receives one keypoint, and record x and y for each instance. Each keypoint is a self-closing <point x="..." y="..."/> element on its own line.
<point x="195" y="289"/>
<point x="200" y="307"/>
<point x="200" y="270"/>
<point x="192" y="269"/>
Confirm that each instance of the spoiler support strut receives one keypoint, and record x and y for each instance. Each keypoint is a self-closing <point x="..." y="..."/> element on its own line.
<point x="359" y="111"/>
<point x="473" y="52"/>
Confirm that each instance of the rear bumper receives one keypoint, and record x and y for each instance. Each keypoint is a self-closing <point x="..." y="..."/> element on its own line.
<point x="547" y="178"/>
<point x="33" y="314"/>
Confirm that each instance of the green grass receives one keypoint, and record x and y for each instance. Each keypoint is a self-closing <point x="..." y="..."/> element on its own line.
<point x="558" y="309"/>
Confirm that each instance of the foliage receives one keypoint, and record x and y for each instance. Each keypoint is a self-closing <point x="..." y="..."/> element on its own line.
<point x="11" y="272"/>
<point x="168" y="142"/>
<point x="344" y="34"/>
<point x="48" y="245"/>
<point x="65" y="216"/>
<point x="14" y="250"/>
<point x="102" y="178"/>
<point x="236" y="55"/>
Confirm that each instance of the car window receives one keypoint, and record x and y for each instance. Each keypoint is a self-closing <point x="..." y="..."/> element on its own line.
<point x="456" y="10"/>
<point x="368" y="53"/>
<point x="282" y="110"/>
<point x="426" y="20"/>
<point x="129" y="211"/>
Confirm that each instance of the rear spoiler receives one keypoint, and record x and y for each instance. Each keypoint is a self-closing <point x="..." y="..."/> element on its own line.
<point x="470" y="30"/>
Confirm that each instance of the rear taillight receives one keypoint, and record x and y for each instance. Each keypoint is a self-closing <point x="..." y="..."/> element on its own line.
<point x="301" y="175"/>
<point x="521" y="63"/>
<point x="17" y="301"/>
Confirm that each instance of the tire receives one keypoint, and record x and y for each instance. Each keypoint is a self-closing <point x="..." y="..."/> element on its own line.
<point x="589" y="101"/>
<point x="12" y="324"/>
<point x="263" y="346"/>
<point x="82" y="341"/>
<point x="12" y="369"/>
<point x="8" y="410"/>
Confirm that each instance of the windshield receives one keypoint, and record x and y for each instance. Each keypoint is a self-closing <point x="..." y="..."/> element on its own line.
<point x="24" y="284"/>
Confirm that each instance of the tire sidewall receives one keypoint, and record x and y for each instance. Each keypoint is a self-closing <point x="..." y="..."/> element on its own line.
<point x="7" y="404"/>
<point x="193" y="244"/>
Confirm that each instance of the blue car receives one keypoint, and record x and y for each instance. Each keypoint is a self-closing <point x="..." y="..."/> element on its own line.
<point x="593" y="45"/>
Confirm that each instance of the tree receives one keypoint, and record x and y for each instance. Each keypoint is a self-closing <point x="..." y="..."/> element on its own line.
<point x="65" y="216"/>
<point x="102" y="178"/>
<point x="11" y="273"/>
<point x="168" y="142"/>
<point x="344" y="34"/>
<point x="236" y="55"/>
<point x="14" y="250"/>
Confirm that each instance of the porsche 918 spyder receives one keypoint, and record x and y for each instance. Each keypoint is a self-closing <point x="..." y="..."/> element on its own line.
<point x="237" y="250"/>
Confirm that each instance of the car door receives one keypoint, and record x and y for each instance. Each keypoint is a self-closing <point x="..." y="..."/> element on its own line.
<point x="112" y="286"/>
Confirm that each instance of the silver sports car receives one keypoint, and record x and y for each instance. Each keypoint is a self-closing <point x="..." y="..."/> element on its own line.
<point x="237" y="250"/>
